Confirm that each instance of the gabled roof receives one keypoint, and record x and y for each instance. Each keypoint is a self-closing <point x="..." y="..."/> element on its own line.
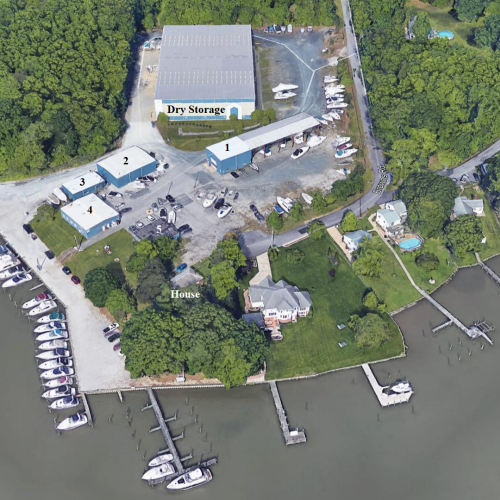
<point x="83" y="182"/>
<point x="357" y="236"/>
<point x="389" y="215"/>
<point x="186" y="277"/>
<point x="464" y="206"/>
<point x="280" y="296"/>
<point x="398" y="206"/>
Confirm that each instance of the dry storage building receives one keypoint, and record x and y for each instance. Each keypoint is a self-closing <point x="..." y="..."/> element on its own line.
<point x="205" y="73"/>
<point x="83" y="185"/>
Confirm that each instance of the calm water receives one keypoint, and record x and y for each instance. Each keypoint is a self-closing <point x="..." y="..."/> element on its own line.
<point x="445" y="444"/>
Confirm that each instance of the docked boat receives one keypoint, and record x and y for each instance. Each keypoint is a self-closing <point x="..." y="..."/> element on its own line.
<point x="72" y="422"/>
<point x="191" y="479"/>
<point x="345" y="153"/>
<point x="13" y="271"/>
<point x="17" y="280"/>
<point x="315" y="140"/>
<point x="300" y="152"/>
<point x="59" y="352"/>
<point x="7" y="261"/>
<point x="321" y="120"/>
<point x="280" y="96"/>
<point x="285" y="203"/>
<point x="401" y="387"/>
<point x="171" y="217"/>
<point x="35" y="301"/>
<point x="47" y="327"/>
<point x="53" y="344"/>
<point x="55" y="316"/>
<point x="224" y="211"/>
<point x="61" y="391"/>
<point x="57" y="372"/>
<point x="339" y="141"/>
<point x="327" y="117"/>
<point x="58" y="382"/>
<point x="335" y="105"/>
<point x="334" y="115"/>
<point x="161" y="459"/>
<point x="64" y="403"/>
<point x="52" y="335"/>
<point x="284" y="86"/>
<point x="43" y="307"/>
<point x="159" y="472"/>
<point x="209" y="200"/>
<point x="307" y="198"/>
<point x="55" y="363"/>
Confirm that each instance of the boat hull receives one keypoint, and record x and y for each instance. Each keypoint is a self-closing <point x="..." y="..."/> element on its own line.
<point x="44" y="307"/>
<point x="58" y="382"/>
<point x="68" y="424"/>
<point x="57" y="316"/>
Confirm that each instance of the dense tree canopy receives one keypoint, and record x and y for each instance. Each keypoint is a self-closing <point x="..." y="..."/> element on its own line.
<point x="150" y="280"/>
<point x="98" y="284"/>
<point x="120" y="303"/>
<point x="316" y="230"/>
<point x="464" y="234"/>
<point x="470" y="10"/>
<point x="371" y="331"/>
<point x="349" y="222"/>
<point x="489" y="34"/>
<point x="368" y="260"/>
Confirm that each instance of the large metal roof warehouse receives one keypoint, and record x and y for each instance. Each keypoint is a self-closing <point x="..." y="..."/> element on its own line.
<point x="89" y="215"/>
<point x="237" y="152"/>
<point x="83" y="185"/>
<point x="206" y="73"/>
<point x="126" y="166"/>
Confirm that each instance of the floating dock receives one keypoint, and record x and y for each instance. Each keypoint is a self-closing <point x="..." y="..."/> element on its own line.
<point x="383" y="398"/>
<point x="291" y="436"/>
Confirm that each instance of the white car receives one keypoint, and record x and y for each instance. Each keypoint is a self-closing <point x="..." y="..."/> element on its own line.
<point x="151" y="218"/>
<point x="300" y="152"/>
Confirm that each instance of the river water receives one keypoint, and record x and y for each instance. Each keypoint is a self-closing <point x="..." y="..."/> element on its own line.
<point x="443" y="445"/>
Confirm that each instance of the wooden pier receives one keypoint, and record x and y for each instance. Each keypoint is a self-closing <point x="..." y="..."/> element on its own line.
<point x="383" y="398"/>
<point x="488" y="270"/>
<point x="440" y="327"/>
<point x="87" y="409"/>
<point x="291" y="437"/>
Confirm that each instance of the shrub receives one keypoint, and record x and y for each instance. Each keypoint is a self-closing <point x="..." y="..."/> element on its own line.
<point x="427" y="261"/>
<point x="331" y="273"/>
<point x="294" y="256"/>
<point x="273" y="253"/>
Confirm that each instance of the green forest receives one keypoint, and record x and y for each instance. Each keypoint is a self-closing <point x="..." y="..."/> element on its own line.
<point x="433" y="102"/>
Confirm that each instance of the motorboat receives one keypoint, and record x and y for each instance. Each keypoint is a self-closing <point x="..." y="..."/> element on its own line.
<point x="57" y="372"/>
<point x="285" y="203"/>
<point x="159" y="472"/>
<point x="321" y="120"/>
<point x="13" y="271"/>
<point x="43" y="307"/>
<point x="191" y="479"/>
<point x="161" y="459"/>
<point x="64" y="403"/>
<point x="253" y="166"/>
<point x="278" y="209"/>
<point x="307" y="198"/>
<point x="52" y="335"/>
<point x="7" y="261"/>
<point x="334" y="115"/>
<point x="265" y="151"/>
<point x="53" y="200"/>
<point x="335" y="86"/>
<point x="55" y="363"/>
<point x="136" y="185"/>
<point x="55" y="316"/>
<point x="35" y="301"/>
<point x="72" y="422"/>
<point x="17" y="280"/>
<point x="327" y="117"/>
<point x="224" y="211"/>
<point x="172" y="216"/>
<point x="344" y="146"/>
<point x="59" y="352"/>
<point x="335" y="105"/>
<point x="345" y="153"/>
<point x="53" y="344"/>
<point x="339" y="141"/>
<point x="47" y="327"/>
<point x="284" y="95"/>
<point x="209" y="200"/>
<point x="298" y="139"/>
<point x="330" y="100"/>
<point x="110" y="328"/>
<point x="163" y="213"/>
<point x="330" y="79"/>
<point x="284" y="86"/>
<point x="58" y="382"/>
<point x="401" y="387"/>
<point x="315" y="140"/>
<point x="300" y="152"/>
<point x="59" y="392"/>
<point x="60" y="194"/>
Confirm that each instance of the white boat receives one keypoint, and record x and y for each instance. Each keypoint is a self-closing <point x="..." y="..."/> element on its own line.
<point x="52" y="335"/>
<point x="321" y="120"/>
<point x="316" y="140"/>
<point x="330" y="100"/>
<point x="191" y="479"/>
<point x="64" y="403"/>
<point x="13" y="271"/>
<point x="330" y="79"/>
<point x="334" y="115"/>
<point x="55" y="316"/>
<point x="333" y="93"/>
<point x="53" y="344"/>
<point x="17" y="280"/>
<point x="46" y="306"/>
<point x="253" y="166"/>
<point x="285" y="203"/>
<point x="35" y="301"/>
<point x="307" y="198"/>
<point x="55" y="363"/>
<point x="284" y="86"/>
<point x="58" y="382"/>
<point x="209" y="200"/>
<point x="159" y="472"/>
<point x="344" y="146"/>
<point x="327" y="117"/>
<point x="335" y="86"/>
<point x="72" y="422"/>
<point x="171" y="217"/>
<point x="7" y="261"/>
<point x="60" y="194"/>
<point x="333" y="89"/>
<point x="401" y="386"/>
<point x="57" y="372"/>
<point x="53" y="200"/>
<point x="47" y="327"/>
<point x="345" y="153"/>
<point x="160" y="460"/>
<point x="224" y="211"/>
<point x="339" y="141"/>
<point x="59" y="352"/>
<point x="298" y="139"/>
<point x="336" y="105"/>
<point x="59" y="392"/>
<point x="284" y="95"/>
<point x="136" y="185"/>
<point x="300" y="152"/>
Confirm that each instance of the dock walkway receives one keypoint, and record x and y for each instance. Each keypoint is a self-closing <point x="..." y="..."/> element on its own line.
<point x="383" y="398"/>
<point x="488" y="270"/>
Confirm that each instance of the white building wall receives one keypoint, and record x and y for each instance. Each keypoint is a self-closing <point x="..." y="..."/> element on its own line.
<point x="181" y="111"/>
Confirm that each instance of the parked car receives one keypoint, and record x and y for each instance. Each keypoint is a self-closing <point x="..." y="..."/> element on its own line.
<point x="66" y="270"/>
<point x="50" y="255"/>
<point x="28" y="229"/>
<point x="476" y="177"/>
<point x="115" y="194"/>
<point x="329" y="31"/>
<point x="236" y="195"/>
<point x="111" y="328"/>
<point x="309" y="29"/>
<point x="120" y="205"/>
<point x="464" y="179"/>
<point x="184" y="229"/>
<point x="139" y="224"/>
<point x="75" y="280"/>
<point x="113" y="337"/>
<point x="277" y="29"/>
<point x="219" y="203"/>
<point x="170" y="198"/>
<point x="177" y="207"/>
<point x="132" y="229"/>
<point x="260" y="217"/>
<point x="160" y="201"/>
<point x="253" y="208"/>
<point x="181" y="268"/>
<point x="283" y="28"/>
<point x="151" y="218"/>
<point x="126" y="210"/>
<point x="154" y="206"/>
<point x="234" y="174"/>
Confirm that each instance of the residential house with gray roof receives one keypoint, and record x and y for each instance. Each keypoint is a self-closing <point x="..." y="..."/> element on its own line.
<point x="464" y="206"/>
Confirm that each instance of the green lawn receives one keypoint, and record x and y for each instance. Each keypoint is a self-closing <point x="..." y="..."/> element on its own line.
<point x="311" y="345"/>
<point x="57" y="234"/>
<point x="392" y="286"/>
<point x="122" y="246"/>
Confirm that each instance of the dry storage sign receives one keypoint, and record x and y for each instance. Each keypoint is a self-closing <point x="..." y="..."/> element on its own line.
<point x="195" y="110"/>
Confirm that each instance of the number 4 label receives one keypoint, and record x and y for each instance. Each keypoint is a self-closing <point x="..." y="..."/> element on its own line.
<point x="89" y="210"/>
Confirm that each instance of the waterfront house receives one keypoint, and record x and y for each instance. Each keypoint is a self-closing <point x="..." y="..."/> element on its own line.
<point x="279" y="301"/>
<point x="399" y="207"/>
<point x="464" y="206"/>
<point x="186" y="278"/>
<point x="354" y="238"/>
<point x="389" y="221"/>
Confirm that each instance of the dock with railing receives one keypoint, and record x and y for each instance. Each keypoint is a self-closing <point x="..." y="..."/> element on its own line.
<point x="384" y="398"/>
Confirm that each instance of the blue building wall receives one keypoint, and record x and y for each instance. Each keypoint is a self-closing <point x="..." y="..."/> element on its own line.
<point x="198" y="118"/>
<point x="123" y="181"/>
<point x="92" y="231"/>
<point x="234" y="163"/>
<point x="84" y="192"/>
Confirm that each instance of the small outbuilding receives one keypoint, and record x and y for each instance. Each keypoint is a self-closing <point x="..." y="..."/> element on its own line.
<point x="90" y="215"/>
<point x="354" y="238"/>
<point x="186" y="278"/>
<point x="83" y="185"/>
<point x="126" y="166"/>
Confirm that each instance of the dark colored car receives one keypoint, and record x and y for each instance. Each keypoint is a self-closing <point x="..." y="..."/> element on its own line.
<point x="236" y="195"/>
<point x="253" y="208"/>
<point x="219" y="203"/>
<point x="476" y="177"/>
<point x="259" y="216"/>
<point x="28" y="228"/>
<point x="50" y="255"/>
<point x="75" y="280"/>
<point x="132" y="229"/>
<point x="181" y="267"/>
<point x="113" y="337"/>
<point x="170" y="198"/>
<point x="184" y="228"/>
<point x="66" y="270"/>
<point x="234" y="174"/>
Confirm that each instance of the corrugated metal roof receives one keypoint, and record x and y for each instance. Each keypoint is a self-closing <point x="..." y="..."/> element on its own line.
<point x="228" y="148"/>
<point x="78" y="211"/>
<point x="117" y="166"/>
<point x="90" y="179"/>
<point x="206" y="62"/>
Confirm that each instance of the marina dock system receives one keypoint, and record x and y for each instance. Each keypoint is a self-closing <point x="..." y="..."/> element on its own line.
<point x="383" y="398"/>
<point x="291" y="437"/>
<point x="440" y="327"/>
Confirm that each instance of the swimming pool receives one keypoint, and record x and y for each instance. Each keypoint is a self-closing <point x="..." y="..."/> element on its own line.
<point x="410" y="244"/>
<point x="446" y="34"/>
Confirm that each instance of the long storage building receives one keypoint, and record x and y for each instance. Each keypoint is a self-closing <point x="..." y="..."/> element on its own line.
<point x="83" y="185"/>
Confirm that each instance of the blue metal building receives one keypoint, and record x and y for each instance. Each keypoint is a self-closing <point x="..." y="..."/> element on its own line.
<point x="83" y="185"/>
<point x="229" y="155"/>
<point x="126" y="166"/>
